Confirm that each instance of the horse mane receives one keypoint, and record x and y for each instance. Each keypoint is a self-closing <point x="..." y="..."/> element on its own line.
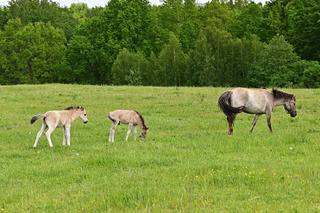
<point x="142" y="120"/>
<point x="74" y="107"/>
<point x="277" y="94"/>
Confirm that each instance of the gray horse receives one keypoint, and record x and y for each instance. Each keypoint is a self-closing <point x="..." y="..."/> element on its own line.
<point x="255" y="101"/>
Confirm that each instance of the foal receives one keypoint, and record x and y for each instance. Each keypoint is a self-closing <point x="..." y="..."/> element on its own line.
<point x="255" y="101"/>
<point x="63" y="118"/>
<point x="130" y="117"/>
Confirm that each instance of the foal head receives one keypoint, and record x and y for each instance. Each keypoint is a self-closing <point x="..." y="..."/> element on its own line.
<point x="144" y="132"/>
<point x="82" y="114"/>
<point x="80" y="111"/>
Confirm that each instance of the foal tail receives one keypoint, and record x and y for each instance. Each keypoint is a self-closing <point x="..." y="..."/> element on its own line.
<point x="109" y="116"/>
<point x="224" y="104"/>
<point x="36" y="117"/>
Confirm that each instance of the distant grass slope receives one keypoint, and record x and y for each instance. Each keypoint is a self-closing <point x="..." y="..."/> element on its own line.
<point x="188" y="163"/>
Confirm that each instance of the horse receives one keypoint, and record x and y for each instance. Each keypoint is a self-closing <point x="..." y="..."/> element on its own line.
<point x="130" y="117"/>
<point x="63" y="119"/>
<point x="255" y="101"/>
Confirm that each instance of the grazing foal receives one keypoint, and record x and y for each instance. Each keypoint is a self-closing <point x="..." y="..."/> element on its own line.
<point x="63" y="118"/>
<point x="130" y="117"/>
<point x="255" y="101"/>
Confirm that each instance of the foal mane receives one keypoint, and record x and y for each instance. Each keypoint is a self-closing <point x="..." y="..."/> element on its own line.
<point x="277" y="94"/>
<point x="141" y="118"/>
<point x="74" y="107"/>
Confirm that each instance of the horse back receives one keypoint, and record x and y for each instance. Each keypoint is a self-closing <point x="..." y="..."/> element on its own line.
<point x="255" y="101"/>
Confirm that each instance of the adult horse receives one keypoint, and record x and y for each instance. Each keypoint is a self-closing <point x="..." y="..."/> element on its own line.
<point x="255" y="101"/>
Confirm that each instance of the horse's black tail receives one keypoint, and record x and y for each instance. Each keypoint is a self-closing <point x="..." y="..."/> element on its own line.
<point x="224" y="104"/>
<point x="36" y="117"/>
<point x="109" y="116"/>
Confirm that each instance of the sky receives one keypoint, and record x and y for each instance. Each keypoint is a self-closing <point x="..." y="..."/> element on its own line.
<point x="94" y="3"/>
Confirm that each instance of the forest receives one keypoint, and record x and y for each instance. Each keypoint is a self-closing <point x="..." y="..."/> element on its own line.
<point x="177" y="43"/>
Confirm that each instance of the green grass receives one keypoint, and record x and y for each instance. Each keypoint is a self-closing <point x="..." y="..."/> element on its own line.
<point x="187" y="164"/>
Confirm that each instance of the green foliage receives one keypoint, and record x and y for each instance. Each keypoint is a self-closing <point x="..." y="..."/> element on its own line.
<point x="34" y="53"/>
<point x="311" y="74"/>
<point x="32" y="11"/>
<point x="130" y="69"/>
<point x="306" y="30"/>
<point x="248" y="20"/>
<point x="172" y="63"/>
<point x="80" y="56"/>
<point x="220" y="43"/>
<point x="79" y="12"/>
<point x="276" y="66"/>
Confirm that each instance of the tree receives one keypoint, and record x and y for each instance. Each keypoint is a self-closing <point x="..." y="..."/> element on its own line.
<point x="80" y="12"/>
<point x="249" y="20"/>
<point x="129" y="68"/>
<point x="306" y="30"/>
<point x="32" y="11"/>
<point x="172" y="63"/>
<point x="276" y="67"/>
<point x="311" y="74"/>
<point x="80" y="57"/>
<point x="34" y="53"/>
<point x="3" y="17"/>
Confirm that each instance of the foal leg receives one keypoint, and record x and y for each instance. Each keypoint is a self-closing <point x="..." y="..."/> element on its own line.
<point x="48" y="134"/>
<point x="135" y="132"/>
<point x="254" y="122"/>
<point x="112" y="131"/>
<point x="43" y="128"/>
<point x="64" y="136"/>
<point x="230" y="120"/>
<point x="129" y="131"/>
<point x="68" y="135"/>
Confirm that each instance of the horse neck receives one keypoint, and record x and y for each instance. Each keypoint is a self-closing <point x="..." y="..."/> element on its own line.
<point x="279" y="101"/>
<point x="73" y="115"/>
<point x="141" y="123"/>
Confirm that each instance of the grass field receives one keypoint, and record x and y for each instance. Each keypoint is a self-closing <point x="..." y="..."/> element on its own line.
<point x="187" y="164"/>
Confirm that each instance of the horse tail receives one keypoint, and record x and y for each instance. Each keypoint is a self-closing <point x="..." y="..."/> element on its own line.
<point x="110" y="118"/>
<point x="36" y="117"/>
<point x="224" y="104"/>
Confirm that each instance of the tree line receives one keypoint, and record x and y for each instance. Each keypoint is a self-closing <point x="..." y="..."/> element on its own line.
<point x="178" y="43"/>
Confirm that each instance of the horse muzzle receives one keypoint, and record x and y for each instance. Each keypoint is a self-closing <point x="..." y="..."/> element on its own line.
<point x="293" y="114"/>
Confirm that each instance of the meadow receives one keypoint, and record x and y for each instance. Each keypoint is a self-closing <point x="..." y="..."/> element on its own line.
<point x="188" y="163"/>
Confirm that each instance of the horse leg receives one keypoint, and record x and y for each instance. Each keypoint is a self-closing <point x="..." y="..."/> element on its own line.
<point x="254" y="122"/>
<point x="48" y="135"/>
<point x="230" y="120"/>
<point x="269" y="121"/>
<point x="110" y="134"/>
<point x="113" y="131"/>
<point x="43" y="128"/>
<point x="129" y="131"/>
<point x="64" y="136"/>
<point x="135" y="132"/>
<point x="68" y="135"/>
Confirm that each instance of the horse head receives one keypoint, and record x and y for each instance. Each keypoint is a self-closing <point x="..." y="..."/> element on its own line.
<point x="290" y="106"/>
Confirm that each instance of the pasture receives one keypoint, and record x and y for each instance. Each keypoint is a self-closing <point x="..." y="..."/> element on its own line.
<point x="188" y="163"/>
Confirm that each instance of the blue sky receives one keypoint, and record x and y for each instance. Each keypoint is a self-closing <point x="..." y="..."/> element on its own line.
<point x="91" y="3"/>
